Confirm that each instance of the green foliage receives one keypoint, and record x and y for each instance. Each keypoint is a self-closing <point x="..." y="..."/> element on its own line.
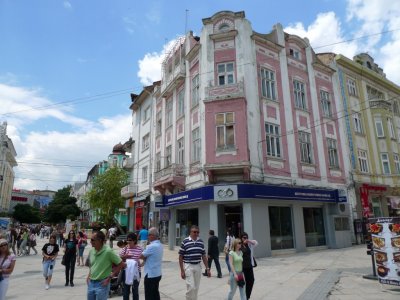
<point x="105" y="194"/>
<point x="62" y="207"/>
<point x="25" y="213"/>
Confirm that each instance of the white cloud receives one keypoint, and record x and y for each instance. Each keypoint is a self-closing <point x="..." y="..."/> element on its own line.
<point x="130" y="24"/>
<point x="39" y="153"/>
<point x="150" y="64"/>
<point x="67" y="5"/>
<point x="154" y="14"/>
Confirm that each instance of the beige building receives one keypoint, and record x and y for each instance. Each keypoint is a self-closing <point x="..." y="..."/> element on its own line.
<point x="7" y="163"/>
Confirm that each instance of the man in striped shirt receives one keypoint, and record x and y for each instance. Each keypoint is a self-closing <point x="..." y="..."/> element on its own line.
<point x="191" y="254"/>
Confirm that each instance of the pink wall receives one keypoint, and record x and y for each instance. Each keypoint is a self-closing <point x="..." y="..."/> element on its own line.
<point x="238" y="106"/>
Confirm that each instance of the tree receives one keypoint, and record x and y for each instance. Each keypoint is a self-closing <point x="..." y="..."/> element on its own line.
<point x="25" y="213"/>
<point x="62" y="207"/>
<point x="105" y="194"/>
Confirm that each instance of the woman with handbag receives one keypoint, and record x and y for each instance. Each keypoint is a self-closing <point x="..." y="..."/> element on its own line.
<point x="70" y="251"/>
<point x="249" y="262"/>
<point x="236" y="273"/>
<point x="7" y="264"/>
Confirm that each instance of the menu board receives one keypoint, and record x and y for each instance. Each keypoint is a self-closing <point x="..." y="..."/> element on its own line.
<point x="385" y="235"/>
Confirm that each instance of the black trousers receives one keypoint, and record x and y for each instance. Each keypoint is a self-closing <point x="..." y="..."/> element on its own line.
<point x="70" y="260"/>
<point x="217" y="265"/>
<point x="249" y="278"/>
<point x="151" y="285"/>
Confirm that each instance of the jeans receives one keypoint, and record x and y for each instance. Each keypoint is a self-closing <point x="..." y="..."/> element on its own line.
<point x="234" y="286"/>
<point x="96" y="290"/>
<point x="4" y="287"/>
<point x="48" y="267"/>
<point x="151" y="288"/>
<point x="227" y="262"/>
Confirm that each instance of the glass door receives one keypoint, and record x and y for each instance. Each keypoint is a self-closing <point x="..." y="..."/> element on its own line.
<point x="281" y="230"/>
<point x="314" y="226"/>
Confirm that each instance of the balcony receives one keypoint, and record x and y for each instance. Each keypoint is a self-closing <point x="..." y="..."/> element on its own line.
<point x="128" y="163"/>
<point x="222" y="92"/>
<point x="172" y="78"/>
<point x="129" y="190"/>
<point x="169" y="177"/>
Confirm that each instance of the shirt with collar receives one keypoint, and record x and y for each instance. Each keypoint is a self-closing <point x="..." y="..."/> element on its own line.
<point x="153" y="254"/>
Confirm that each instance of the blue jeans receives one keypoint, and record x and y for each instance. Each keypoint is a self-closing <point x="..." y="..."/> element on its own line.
<point x="48" y="267"/>
<point x="97" y="291"/>
<point x="234" y="286"/>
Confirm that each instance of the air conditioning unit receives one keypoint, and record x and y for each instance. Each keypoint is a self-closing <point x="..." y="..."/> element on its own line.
<point x="340" y="209"/>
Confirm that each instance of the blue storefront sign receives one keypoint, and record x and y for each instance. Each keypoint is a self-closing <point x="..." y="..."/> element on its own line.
<point x="255" y="191"/>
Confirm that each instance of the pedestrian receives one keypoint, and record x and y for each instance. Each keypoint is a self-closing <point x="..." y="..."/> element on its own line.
<point x="213" y="253"/>
<point x="101" y="259"/>
<point x="152" y="257"/>
<point x="13" y="239"/>
<point x="236" y="277"/>
<point x="143" y="236"/>
<point x="112" y="235"/>
<point x="70" y="251"/>
<point x="19" y="241"/>
<point x="131" y="251"/>
<point x="32" y="242"/>
<point x="82" y="243"/>
<point x="248" y="262"/>
<point x="228" y="247"/>
<point x="49" y="252"/>
<point x="24" y="243"/>
<point x="191" y="253"/>
<point x="7" y="264"/>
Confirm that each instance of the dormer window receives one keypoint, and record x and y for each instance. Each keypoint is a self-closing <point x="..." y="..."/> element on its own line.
<point x="294" y="53"/>
<point x="223" y="27"/>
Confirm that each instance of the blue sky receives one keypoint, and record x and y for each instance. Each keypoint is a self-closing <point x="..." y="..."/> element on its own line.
<point x="67" y="67"/>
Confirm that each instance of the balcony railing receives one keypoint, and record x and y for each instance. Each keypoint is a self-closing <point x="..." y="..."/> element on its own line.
<point x="169" y="79"/>
<point x="220" y="92"/>
<point x="129" y="190"/>
<point x="128" y="163"/>
<point x="172" y="170"/>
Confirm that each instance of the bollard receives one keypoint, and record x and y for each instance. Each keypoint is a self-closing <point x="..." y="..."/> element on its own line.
<point x="370" y="251"/>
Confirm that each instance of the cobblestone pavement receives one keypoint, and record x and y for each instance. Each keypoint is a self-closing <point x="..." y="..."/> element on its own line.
<point x="335" y="274"/>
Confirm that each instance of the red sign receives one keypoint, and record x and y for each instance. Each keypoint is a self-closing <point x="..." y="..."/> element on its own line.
<point x="19" y="199"/>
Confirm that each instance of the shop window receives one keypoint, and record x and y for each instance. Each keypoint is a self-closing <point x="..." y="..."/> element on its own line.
<point x="314" y="226"/>
<point x="376" y="207"/>
<point x="185" y="218"/>
<point x="281" y="229"/>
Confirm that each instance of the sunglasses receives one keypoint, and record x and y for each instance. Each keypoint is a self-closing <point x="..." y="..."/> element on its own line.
<point x="3" y="245"/>
<point x="245" y="237"/>
<point x="195" y="231"/>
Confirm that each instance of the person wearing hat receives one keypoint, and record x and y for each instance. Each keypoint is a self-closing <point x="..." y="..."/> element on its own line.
<point x="7" y="264"/>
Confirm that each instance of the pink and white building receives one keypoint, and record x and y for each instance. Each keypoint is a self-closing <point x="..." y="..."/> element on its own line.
<point x="246" y="137"/>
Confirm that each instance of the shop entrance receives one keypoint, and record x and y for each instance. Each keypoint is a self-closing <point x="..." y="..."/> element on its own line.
<point x="234" y="219"/>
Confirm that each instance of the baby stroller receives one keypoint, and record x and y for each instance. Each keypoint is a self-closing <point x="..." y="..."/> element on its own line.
<point x="116" y="285"/>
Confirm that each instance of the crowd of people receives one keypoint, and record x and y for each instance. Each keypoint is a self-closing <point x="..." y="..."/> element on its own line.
<point x="139" y="256"/>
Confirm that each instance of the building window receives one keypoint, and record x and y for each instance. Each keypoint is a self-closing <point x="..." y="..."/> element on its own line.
<point x="268" y="84"/>
<point x="295" y="53"/>
<point x="385" y="163"/>
<point x="225" y="73"/>
<point x="280" y="226"/>
<point x="396" y="163"/>
<point x="379" y="128"/>
<point x="352" y="87"/>
<point x="326" y="104"/>
<point x="144" y="174"/>
<point x="225" y="130"/>
<point x="180" y="154"/>
<point x="195" y="90"/>
<point x="114" y="161"/>
<point x="332" y="153"/>
<point x="358" y="128"/>
<point x="305" y="147"/>
<point x="168" y="156"/>
<point x="363" y="161"/>
<point x="299" y="95"/>
<point x="146" y="115"/>
<point x="168" y="113"/>
<point x="196" y="146"/>
<point x="273" y="140"/>
<point x="158" y="123"/>
<point x="146" y="142"/>
<point x="158" y="161"/>
<point x="181" y="103"/>
<point x="391" y="128"/>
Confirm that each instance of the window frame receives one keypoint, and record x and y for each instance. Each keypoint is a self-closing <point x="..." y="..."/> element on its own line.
<point x="396" y="159"/>
<point x="144" y="173"/>
<point x="195" y="90"/>
<point x="180" y="107"/>
<point x="326" y="103"/>
<point x="378" y="128"/>
<point x="180" y="151"/>
<point x="392" y="133"/>
<point x="333" y="155"/>
<point x="385" y="164"/>
<point x="352" y="87"/>
<point x="225" y="75"/>
<point x="224" y="126"/>
<point x="299" y="93"/>
<point x="362" y="157"/>
<point x="146" y="142"/>
<point x="357" y="123"/>
<point x="273" y="140"/>
<point x="305" y="144"/>
<point x="196" y="145"/>
<point x="158" y="161"/>
<point x="168" y="156"/>
<point x="268" y="84"/>
<point x="168" y="113"/>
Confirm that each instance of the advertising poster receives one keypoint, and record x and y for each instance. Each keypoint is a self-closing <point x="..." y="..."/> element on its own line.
<point x="385" y="235"/>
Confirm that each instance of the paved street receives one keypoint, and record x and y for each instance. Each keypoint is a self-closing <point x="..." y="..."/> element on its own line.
<point x="331" y="274"/>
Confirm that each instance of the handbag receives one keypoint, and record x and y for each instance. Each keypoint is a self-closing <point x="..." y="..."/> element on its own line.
<point x="240" y="281"/>
<point x="63" y="260"/>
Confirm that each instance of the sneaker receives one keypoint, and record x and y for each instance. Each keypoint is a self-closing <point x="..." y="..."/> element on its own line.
<point x="47" y="286"/>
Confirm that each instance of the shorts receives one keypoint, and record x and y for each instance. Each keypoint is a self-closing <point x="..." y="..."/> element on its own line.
<point x="48" y="267"/>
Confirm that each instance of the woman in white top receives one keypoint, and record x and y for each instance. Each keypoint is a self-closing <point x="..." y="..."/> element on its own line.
<point x="228" y="247"/>
<point x="7" y="264"/>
